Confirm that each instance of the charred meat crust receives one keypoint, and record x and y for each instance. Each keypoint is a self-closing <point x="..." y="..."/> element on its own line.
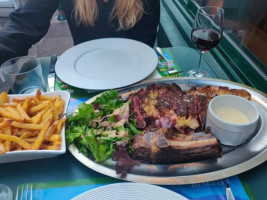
<point x="168" y="106"/>
<point x="161" y="145"/>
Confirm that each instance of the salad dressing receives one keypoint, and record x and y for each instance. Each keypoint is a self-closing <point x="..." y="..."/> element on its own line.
<point x="231" y="115"/>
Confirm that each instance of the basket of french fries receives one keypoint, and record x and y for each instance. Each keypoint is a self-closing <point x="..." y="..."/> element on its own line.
<point x="32" y="126"/>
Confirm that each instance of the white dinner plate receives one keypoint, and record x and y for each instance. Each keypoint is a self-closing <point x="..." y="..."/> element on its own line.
<point x="129" y="191"/>
<point x="106" y="64"/>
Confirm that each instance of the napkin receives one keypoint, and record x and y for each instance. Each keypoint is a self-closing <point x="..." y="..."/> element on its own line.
<point x="214" y="190"/>
<point x="162" y="68"/>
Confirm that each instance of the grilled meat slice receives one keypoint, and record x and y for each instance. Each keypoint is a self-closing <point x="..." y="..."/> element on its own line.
<point x="136" y="108"/>
<point x="162" y="145"/>
<point x="168" y="106"/>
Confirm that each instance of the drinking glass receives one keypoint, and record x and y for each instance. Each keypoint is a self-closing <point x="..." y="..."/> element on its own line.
<point x="206" y="33"/>
<point x="23" y="75"/>
<point x="5" y="192"/>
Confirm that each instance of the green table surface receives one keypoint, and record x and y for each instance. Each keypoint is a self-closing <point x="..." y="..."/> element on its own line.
<point x="66" y="167"/>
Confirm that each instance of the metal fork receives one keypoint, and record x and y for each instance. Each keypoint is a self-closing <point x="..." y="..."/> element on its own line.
<point x="24" y="193"/>
<point x="171" y="70"/>
<point x="229" y="194"/>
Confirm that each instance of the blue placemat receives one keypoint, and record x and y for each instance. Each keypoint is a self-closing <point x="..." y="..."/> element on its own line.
<point x="214" y="190"/>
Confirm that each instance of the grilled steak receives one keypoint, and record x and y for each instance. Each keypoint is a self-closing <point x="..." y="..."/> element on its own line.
<point x="162" y="145"/>
<point x="169" y="107"/>
<point x="172" y="120"/>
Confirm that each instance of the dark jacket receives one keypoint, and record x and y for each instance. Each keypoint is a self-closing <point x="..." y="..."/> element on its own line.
<point x="29" y="24"/>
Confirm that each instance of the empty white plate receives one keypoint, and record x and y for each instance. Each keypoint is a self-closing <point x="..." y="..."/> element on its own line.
<point x="106" y="64"/>
<point x="129" y="191"/>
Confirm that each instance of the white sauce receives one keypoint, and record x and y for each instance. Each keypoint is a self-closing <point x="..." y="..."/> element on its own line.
<point x="231" y="115"/>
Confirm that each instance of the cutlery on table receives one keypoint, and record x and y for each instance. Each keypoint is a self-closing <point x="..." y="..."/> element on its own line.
<point x="51" y="76"/>
<point x="169" y="63"/>
<point x="229" y="194"/>
<point x="24" y="192"/>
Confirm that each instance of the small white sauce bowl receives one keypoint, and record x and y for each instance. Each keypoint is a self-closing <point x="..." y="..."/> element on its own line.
<point x="230" y="133"/>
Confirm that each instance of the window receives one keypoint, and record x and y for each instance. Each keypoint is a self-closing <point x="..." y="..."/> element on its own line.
<point x="246" y="23"/>
<point x="241" y="53"/>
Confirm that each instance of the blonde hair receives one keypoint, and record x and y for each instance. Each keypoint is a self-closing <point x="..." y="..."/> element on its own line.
<point x="128" y="12"/>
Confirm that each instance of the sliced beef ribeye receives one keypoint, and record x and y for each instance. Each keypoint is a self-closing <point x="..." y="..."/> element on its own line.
<point x="167" y="106"/>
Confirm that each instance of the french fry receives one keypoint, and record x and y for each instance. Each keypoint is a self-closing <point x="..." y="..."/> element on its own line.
<point x="53" y="110"/>
<point x="7" y="142"/>
<point x="3" y="98"/>
<point x="26" y="134"/>
<point x="2" y="148"/>
<point x="60" y="106"/>
<point x="38" y="94"/>
<point x="11" y="104"/>
<point x="17" y="132"/>
<point x="55" y="138"/>
<point x="51" y="98"/>
<point x="26" y="105"/>
<point x="10" y="115"/>
<point x="39" y="107"/>
<point x="39" y="116"/>
<point x="31" y="122"/>
<point x="30" y="140"/>
<point x="18" y="140"/>
<point x="51" y="147"/>
<point x="5" y="122"/>
<point x="51" y="130"/>
<point x="54" y="147"/>
<point x="36" y="100"/>
<point x="15" y="112"/>
<point x="36" y="145"/>
<point x="48" y="118"/>
<point x="47" y="113"/>
<point x="23" y="113"/>
<point x="55" y="114"/>
<point x="21" y="99"/>
<point x="60" y="124"/>
<point x="58" y="99"/>
<point x="27" y="126"/>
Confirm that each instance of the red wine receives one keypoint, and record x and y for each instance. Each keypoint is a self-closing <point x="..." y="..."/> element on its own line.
<point x="205" y="39"/>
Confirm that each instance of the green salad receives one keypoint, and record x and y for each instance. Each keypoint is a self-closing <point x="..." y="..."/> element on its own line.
<point x="99" y="127"/>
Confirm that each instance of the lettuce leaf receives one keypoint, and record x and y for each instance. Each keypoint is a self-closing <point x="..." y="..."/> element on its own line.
<point x="108" y="102"/>
<point x="83" y="135"/>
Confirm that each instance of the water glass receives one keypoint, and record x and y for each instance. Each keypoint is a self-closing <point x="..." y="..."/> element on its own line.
<point x="23" y="75"/>
<point x="5" y="192"/>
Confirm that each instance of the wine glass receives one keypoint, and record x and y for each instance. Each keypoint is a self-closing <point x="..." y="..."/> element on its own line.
<point x="206" y="33"/>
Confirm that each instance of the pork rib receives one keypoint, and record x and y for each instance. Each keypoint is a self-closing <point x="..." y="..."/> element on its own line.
<point x="162" y="145"/>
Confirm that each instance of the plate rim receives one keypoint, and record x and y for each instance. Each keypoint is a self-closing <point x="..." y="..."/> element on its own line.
<point x="112" y="185"/>
<point x="79" y="50"/>
<point x="178" y="180"/>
